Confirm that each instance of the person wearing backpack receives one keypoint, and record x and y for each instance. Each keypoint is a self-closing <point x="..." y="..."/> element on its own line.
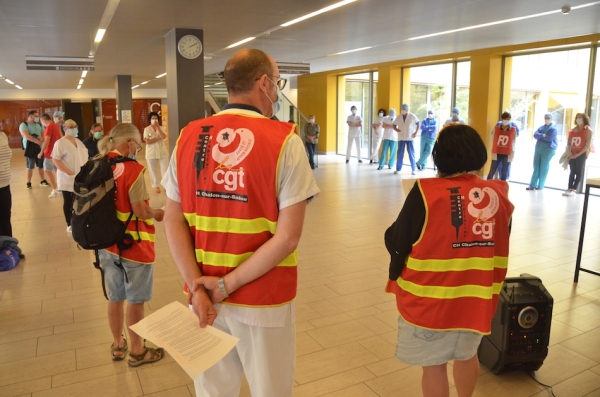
<point x="31" y="130"/>
<point x="129" y="273"/>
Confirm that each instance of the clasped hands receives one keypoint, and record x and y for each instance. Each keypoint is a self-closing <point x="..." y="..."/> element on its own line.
<point x="204" y="294"/>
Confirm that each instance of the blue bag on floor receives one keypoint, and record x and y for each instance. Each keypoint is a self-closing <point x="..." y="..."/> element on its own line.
<point x="9" y="258"/>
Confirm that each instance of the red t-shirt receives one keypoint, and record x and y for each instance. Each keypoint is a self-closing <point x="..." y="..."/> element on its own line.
<point x="53" y="131"/>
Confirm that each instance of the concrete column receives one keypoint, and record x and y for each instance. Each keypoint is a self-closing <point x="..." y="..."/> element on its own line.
<point x="185" y="83"/>
<point x="388" y="88"/>
<point x="124" y="98"/>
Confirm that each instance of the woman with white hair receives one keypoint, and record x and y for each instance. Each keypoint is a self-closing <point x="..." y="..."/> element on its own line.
<point x="545" y="149"/>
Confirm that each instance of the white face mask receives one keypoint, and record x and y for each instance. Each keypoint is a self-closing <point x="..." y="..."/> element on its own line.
<point x="505" y="122"/>
<point x="579" y="120"/>
<point x="430" y="116"/>
<point x="353" y="112"/>
<point x="380" y="114"/>
<point x="36" y="119"/>
<point x="404" y="112"/>
<point x="154" y="121"/>
<point x="548" y="121"/>
<point x="311" y="120"/>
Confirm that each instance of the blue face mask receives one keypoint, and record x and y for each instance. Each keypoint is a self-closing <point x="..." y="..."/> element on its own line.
<point x="73" y="131"/>
<point x="131" y="155"/>
<point x="392" y="113"/>
<point x="36" y="119"/>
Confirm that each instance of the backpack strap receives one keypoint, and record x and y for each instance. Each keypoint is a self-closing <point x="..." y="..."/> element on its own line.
<point x="97" y="266"/>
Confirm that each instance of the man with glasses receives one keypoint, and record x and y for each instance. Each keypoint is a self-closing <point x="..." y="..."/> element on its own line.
<point x="51" y="135"/>
<point x="237" y="190"/>
<point x="31" y="130"/>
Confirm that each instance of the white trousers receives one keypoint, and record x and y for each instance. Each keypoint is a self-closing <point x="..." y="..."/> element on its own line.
<point x="266" y="355"/>
<point x="153" y="165"/>
<point x="375" y="143"/>
<point x="356" y="139"/>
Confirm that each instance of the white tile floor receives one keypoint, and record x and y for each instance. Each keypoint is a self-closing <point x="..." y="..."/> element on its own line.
<point x="54" y="336"/>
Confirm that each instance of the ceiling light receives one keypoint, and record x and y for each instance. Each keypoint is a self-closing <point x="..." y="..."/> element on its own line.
<point x="18" y="86"/>
<point x="79" y="86"/>
<point x="219" y="83"/>
<point x="322" y="10"/>
<point x="84" y="73"/>
<point x="346" y="52"/>
<point x="161" y="75"/>
<point x="9" y="81"/>
<point x="207" y="58"/>
<point x="99" y="35"/>
<point x="145" y="82"/>
<point x="241" y="42"/>
<point x="80" y="81"/>
<point x="206" y="86"/>
<point x="135" y="86"/>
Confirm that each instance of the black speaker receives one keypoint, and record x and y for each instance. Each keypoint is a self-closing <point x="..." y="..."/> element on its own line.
<point x="520" y="328"/>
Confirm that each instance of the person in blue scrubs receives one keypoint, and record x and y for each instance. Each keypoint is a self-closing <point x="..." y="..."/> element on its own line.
<point x="428" y="134"/>
<point x="545" y="149"/>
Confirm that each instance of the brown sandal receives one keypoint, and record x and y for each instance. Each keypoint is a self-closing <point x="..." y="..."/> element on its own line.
<point x="115" y="349"/>
<point x="155" y="355"/>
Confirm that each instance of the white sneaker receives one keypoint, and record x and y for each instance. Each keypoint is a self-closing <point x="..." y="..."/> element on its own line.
<point x="414" y="173"/>
<point x="395" y="172"/>
<point x="69" y="230"/>
<point x="54" y="193"/>
<point x="565" y="193"/>
<point x="571" y="193"/>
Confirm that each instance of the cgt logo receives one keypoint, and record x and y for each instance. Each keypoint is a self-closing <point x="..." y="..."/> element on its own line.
<point x="503" y="140"/>
<point x="484" y="203"/>
<point x="485" y="229"/>
<point x="232" y="147"/>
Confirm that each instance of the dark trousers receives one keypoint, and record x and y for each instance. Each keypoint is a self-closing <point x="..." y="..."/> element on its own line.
<point x="68" y="206"/>
<point x="502" y="159"/>
<point x="575" y="177"/>
<point x="311" y="148"/>
<point x="5" y="206"/>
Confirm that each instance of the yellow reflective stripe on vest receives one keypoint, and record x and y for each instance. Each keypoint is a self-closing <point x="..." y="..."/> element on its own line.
<point x="230" y="225"/>
<point x="457" y="264"/>
<point x="210" y="258"/>
<point x="124" y="215"/>
<point x="144" y="236"/>
<point x="438" y="292"/>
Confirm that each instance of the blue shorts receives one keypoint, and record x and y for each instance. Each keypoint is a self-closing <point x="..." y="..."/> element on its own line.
<point x="423" y="347"/>
<point x="30" y="163"/>
<point x="141" y="276"/>
<point x="49" y="165"/>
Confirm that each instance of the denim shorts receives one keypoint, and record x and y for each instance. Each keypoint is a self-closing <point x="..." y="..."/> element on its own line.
<point x="140" y="276"/>
<point x="423" y="347"/>
<point x="30" y="163"/>
<point x="49" y="165"/>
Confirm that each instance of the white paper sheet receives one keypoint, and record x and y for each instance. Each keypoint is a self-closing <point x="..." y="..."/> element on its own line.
<point x="176" y="329"/>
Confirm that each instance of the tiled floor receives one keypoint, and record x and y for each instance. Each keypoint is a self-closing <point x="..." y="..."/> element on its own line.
<point x="54" y="336"/>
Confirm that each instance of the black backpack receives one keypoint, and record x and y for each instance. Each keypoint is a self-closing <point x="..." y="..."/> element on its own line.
<point x="94" y="221"/>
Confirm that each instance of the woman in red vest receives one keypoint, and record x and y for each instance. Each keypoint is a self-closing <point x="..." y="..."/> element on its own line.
<point x="449" y="255"/>
<point x="503" y="148"/>
<point x="579" y="145"/>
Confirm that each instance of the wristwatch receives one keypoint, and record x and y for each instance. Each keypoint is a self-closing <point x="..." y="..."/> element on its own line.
<point x="221" y="284"/>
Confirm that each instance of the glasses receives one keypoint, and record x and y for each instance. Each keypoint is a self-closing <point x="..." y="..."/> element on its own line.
<point x="69" y="127"/>
<point x="280" y="83"/>
<point x="138" y="148"/>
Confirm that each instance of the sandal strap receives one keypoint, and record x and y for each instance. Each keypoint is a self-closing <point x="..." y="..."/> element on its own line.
<point x="153" y="354"/>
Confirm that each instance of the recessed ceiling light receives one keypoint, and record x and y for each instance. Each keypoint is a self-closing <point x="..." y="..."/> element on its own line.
<point x="80" y="81"/>
<point x="346" y="52"/>
<point x="79" y="86"/>
<point x="241" y="42"/>
<point x="8" y="81"/>
<point x="84" y="73"/>
<point x="135" y="86"/>
<point x="161" y="75"/>
<point x="207" y="58"/>
<point x="145" y="82"/>
<point x="18" y="86"/>
<point x="99" y="35"/>
<point x="322" y="10"/>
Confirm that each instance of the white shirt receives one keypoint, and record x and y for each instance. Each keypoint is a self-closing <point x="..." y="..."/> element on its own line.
<point x="295" y="184"/>
<point x="389" y="132"/>
<point x="158" y="149"/>
<point x="5" y="155"/>
<point x="449" y="121"/>
<point x="73" y="157"/>
<point x="407" y="127"/>
<point x="352" y="131"/>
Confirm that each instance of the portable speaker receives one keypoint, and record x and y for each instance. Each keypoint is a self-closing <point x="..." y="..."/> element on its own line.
<point x="520" y="327"/>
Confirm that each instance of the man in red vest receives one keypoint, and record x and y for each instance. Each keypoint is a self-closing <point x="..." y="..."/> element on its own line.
<point x="237" y="189"/>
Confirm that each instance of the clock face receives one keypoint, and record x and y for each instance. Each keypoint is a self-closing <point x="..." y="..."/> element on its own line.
<point x="189" y="47"/>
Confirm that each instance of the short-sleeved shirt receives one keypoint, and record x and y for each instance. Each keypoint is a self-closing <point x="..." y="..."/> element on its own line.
<point x="158" y="149"/>
<point x="295" y="183"/>
<point x="354" y="119"/>
<point x="35" y="129"/>
<point x="53" y="131"/>
<point x="389" y="132"/>
<point x="407" y="125"/>
<point x="73" y="157"/>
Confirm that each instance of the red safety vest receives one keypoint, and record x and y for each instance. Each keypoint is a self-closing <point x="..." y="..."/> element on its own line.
<point x="227" y="169"/>
<point x="143" y="251"/>
<point x="503" y="140"/>
<point x="456" y="268"/>
<point x="577" y="139"/>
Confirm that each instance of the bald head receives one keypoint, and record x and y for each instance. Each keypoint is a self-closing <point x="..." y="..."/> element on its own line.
<point x="244" y="68"/>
